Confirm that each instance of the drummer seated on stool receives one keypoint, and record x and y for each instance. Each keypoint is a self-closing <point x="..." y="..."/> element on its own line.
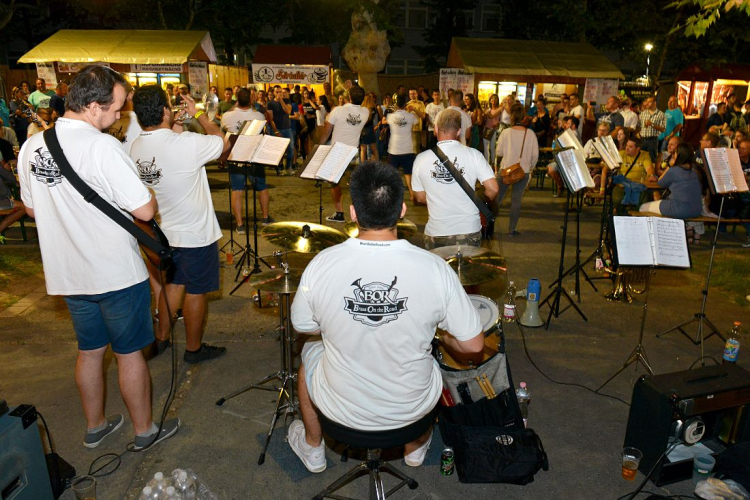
<point x="372" y="370"/>
<point x="453" y="217"/>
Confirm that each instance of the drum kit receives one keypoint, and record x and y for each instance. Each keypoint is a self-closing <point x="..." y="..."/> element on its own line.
<point x="474" y="266"/>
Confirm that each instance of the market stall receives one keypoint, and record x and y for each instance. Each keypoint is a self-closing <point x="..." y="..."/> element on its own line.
<point x="304" y="65"/>
<point x="701" y="86"/>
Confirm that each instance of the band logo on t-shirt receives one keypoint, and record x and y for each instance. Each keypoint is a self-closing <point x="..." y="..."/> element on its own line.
<point x="353" y="120"/>
<point x="400" y="121"/>
<point x="149" y="173"/>
<point x="44" y="168"/>
<point x="375" y="303"/>
<point x="441" y="173"/>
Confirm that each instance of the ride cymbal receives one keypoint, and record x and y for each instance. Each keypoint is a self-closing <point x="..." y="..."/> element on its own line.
<point x="302" y="237"/>
<point x="473" y="265"/>
<point x="275" y="281"/>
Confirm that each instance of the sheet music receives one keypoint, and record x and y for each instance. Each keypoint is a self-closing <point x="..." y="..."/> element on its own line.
<point x="670" y="242"/>
<point x="609" y="143"/>
<point x="336" y="161"/>
<point x="604" y="151"/>
<point x="271" y="149"/>
<point x="252" y="127"/>
<point x="569" y="139"/>
<point x="574" y="167"/>
<point x="718" y="167"/>
<point x="735" y="167"/>
<point x="633" y="240"/>
<point x="245" y="147"/>
<point x="314" y="163"/>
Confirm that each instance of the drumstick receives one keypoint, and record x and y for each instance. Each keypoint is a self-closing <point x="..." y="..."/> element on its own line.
<point x="481" y="386"/>
<point x="489" y="385"/>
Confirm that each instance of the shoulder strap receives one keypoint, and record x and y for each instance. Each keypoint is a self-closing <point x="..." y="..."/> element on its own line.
<point x="633" y="164"/>
<point x="522" y="145"/>
<point x="482" y="206"/>
<point x="91" y="196"/>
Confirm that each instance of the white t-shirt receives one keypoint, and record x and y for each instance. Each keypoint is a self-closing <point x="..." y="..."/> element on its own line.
<point x="590" y="151"/>
<point x="465" y="124"/>
<point x="348" y="121"/>
<point x="401" y="123"/>
<point x="631" y="118"/>
<point x="505" y="117"/>
<point x="232" y="121"/>
<point x="433" y="110"/>
<point x="577" y="112"/>
<point x="320" y="116"/>
<point x="84" y="251"/>
<point x="172" y="165"/>
<point x="450" y="210"/>
<point x="126" y="129"/>
<point x="509" y="146"/>
<point x="377" y="304"/>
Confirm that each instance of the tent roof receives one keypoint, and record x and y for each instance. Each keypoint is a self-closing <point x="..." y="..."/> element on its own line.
<point x="530" y="58"/>
<point x="706" y="71"/>
<point x="318" y="55"/>
<point x="123" y="47"/>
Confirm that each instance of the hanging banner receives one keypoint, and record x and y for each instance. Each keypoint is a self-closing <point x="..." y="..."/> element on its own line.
<point x="198" y="78"/>
<point x="46" y="71"/>
<point x="456" y="79"/>
<point x="599" y="90"/>
<point x="281" y="73"/>
<point x="157" y="68"/>
<point x="76" y="67"/>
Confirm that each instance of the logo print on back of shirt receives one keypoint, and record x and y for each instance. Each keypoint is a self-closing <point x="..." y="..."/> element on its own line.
<point x="400" y="121"/>
<point x="375" y="303"/>
<point x="441" y="174"/>
<point x="149" y="173"/>
<point x="353" y="120"/>
<point x="44" y="168"/>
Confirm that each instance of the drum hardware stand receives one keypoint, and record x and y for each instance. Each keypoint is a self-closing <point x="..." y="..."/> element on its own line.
<point x="231" y="241"/>
<point x="248" y="251"/>
<point x="319" y="185"/>
<point x="559" y="291"/>
<point x="700" y="317"/>
<point x="287" y="402"/>
<point x="638" y="355"/>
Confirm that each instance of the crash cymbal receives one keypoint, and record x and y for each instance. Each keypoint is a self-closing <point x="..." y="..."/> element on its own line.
<point x="275" y="281"/>
<point x="303" y="237"/>
<point x="473" y="265"/>
<point x="405" y="229"/>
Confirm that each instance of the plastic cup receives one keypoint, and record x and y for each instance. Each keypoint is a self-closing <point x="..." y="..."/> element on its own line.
<point x="702" y="467"/>
<point x="631" y="458"/>
<point x="84" y="488"/>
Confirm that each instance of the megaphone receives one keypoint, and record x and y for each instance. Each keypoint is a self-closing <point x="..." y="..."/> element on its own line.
<point x="530" y="316"/>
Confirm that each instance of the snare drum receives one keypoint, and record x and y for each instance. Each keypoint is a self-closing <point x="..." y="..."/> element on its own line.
<point x="489" y="315"/>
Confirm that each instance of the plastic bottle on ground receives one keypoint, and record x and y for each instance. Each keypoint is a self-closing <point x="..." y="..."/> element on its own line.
<point x="184" y="484"/>
<point x="732" y="346"/>
<point x="509" y="304"/>
<point x="524" y="398"/>
<point x="158" y="484"/>
<point x="172" y="494"/>
<point x="148" y="494"/>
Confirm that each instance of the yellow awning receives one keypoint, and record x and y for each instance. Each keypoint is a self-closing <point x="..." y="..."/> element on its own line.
<point x="530" y="58"/>
<point x="124" y="47"/>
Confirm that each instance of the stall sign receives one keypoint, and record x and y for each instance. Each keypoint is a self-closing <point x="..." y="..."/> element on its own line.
<point x="76" y="67"/>
<point x="46" y="70"/>
<point x="198" y="78"/>
<point x="280" y="73"/>
<point x="156" y="68"/>
<point x="456" y="79"/>
<point x="599" y="90"/>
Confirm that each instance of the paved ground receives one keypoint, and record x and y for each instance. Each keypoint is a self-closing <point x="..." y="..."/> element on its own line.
<point x="582" y="432"/>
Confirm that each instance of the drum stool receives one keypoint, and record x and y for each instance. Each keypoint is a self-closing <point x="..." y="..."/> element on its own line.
<point x="373" y="442"/>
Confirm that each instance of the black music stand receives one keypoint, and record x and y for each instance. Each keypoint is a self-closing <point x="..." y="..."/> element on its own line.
<point x="231" y="241"/>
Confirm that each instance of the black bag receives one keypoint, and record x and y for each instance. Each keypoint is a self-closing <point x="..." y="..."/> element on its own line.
<point x="734" y="463"/>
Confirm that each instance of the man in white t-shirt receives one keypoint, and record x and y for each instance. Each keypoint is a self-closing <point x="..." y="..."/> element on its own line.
<point x="400" y="146"/>
<point x="373" y="370"/>
<point x="453" y="217"/>
<point x="89" y="259"/>
<point x="172" y="164"/>
<point x="575" y="107"/>
<point x="232" y="122"/>
<point x="432" y="110"/>
<point x="630" y="117"/>
<point x="345" y="124"/>
<point x="456" y="100"/>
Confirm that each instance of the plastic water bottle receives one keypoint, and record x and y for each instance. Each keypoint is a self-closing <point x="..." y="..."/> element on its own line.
<point x="148" y="494"/>
<point x="184" y="484"/>
<point x="172" y="494"/>
<point x="158" y="485"/>
<point x="524" y="398"/>
<point x="732" y="347"/>
<point x="509" y="306"/>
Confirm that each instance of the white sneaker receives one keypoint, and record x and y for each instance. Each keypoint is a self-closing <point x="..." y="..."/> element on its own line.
<point x="416" y="457"/>
<point x="313" y="458"/>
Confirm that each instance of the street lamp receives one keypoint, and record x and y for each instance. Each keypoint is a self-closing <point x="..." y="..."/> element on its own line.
<point x="648" y="48"/>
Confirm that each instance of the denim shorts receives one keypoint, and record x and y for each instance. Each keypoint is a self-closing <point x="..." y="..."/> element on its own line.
<point x="196" y="268"/>
<point x="121" y="318"/>
<point x="237" y="182"/>
<point x="405" y="162"/>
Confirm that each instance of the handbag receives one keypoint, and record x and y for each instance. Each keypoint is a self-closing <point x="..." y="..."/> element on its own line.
<point x="514" y="173"/>
<point x="155" y="244"/>
<point x="488" y="132"/>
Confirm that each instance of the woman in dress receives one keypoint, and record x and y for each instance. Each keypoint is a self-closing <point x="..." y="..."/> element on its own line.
<point x="516" y="144"/>
<point x="367" y="139"/>
<point x="475" y="112"/>
<point x="491" y="123"/>
<point x="540" y="122"/>
<point x="309" y="107"/>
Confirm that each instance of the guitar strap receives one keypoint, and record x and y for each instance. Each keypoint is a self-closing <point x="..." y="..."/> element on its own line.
<point x="482" y="206"/>
<point x="159" y="246"/>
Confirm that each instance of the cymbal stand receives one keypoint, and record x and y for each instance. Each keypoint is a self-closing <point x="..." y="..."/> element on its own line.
<point x="231" y="241"/>
<point x="559" y="290"/>
<point x="700" y="317"/>
<point x="286" y="402"/>
<point x="242" y="264"/>
<point x="638" y="355"/>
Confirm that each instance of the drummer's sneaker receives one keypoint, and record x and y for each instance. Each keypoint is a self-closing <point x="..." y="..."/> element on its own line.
<point x="205" y="353"/>
<point x="416" y="457"/>
<point x="337" y="217"/>
<point x="314" y="457"/>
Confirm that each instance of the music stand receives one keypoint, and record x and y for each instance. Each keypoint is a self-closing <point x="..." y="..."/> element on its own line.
<point x="319" y="167"/>
<point x="231" y="241"/>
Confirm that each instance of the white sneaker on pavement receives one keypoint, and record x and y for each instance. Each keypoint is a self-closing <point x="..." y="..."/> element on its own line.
<point x="416" y="457"/>
<point x="314" y="458"/>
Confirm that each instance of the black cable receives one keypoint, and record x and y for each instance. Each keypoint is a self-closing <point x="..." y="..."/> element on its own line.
<point x="571" y="384"/>
<point x="46" y="429"/>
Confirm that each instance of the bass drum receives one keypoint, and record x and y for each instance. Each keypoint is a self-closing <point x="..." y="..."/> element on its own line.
<point x="494" y="342"/>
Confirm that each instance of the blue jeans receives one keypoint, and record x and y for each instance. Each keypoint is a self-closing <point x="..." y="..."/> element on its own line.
<point x="289" y="134"/>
